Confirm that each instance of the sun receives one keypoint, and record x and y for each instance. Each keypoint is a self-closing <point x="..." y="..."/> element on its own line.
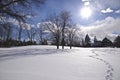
<point x="86" y="12"/>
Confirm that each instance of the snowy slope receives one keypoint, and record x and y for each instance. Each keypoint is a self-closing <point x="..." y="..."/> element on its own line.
<point x="48" y="63"/>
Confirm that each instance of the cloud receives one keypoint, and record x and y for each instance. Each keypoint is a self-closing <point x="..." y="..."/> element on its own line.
<point x="107" y="3"/>
<point x="23" y="25"/>
<point x="118" y="11"/>
<point x="109" y="27"/>
<point x="85" y="0"/>
<point x="10" y="20"/>
<point x="99" y="5"/>
<point x="108" y="10"/>
<point x="29" y="16"/>
<point x="28" y="26"/>
<point x="86" y="3"/>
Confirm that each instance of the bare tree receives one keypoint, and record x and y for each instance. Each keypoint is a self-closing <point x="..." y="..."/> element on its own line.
<point x="53" y="24"/>
<point x="31" y="31"/>
<point x="57" y="24"/>
<point x="8" y="30"/>
<point x="20" y="30"/>
<point x="41" y="29"/>
<point x="55" y="30"/>
<point x="31" y="34"/>
<point x="2" y="32"/>
<point x="65" y="19"/>
<point x="17" y="8"/>
<point x="71" y="31"/>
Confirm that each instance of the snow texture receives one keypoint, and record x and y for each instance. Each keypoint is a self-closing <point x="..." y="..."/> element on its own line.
<point x="49" y="63"/>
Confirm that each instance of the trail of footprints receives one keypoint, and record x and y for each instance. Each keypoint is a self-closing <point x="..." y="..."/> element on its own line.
<point x="109" y="75"/>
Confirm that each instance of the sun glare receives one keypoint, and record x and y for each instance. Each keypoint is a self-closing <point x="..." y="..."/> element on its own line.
<point x="86" y="12"/>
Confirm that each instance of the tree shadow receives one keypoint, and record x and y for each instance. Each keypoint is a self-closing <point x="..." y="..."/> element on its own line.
<point x="14" y="54"/>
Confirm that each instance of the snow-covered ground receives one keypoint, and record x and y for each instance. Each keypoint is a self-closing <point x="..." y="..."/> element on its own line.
<point x="48" y="63"/>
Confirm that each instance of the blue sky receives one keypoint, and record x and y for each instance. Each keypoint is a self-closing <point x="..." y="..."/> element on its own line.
<point x="74" y="7"/>
<point x="103" y="22"/>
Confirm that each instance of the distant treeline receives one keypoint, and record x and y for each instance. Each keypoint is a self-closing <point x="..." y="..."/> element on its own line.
<point x="11" y="43"/>
<point x="84" y="43"/>
<point x="103" y="43"/>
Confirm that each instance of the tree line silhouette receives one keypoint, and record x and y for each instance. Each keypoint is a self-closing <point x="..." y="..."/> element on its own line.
<point x="103" y="43"/>
<point x="84" y="43"/>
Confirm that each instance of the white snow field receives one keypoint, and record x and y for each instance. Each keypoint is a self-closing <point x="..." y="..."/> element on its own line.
<point x="48" y="63"/>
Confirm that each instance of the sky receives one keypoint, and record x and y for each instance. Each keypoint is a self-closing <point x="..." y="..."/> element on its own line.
<point x="102" y="20"/>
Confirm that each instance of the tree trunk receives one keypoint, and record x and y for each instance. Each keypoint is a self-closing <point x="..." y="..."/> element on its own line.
<point x="57" y="43"/>
<point x="70" y="47"/>
<point x="70" y="44"/>
<point x="57" y="46"/>
<point x="63" y="43"/>
<point x="63" y="36"/>
<point x="19" y="34"/>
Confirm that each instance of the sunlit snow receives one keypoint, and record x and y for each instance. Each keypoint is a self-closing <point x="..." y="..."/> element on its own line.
<point x="48" y="63"/>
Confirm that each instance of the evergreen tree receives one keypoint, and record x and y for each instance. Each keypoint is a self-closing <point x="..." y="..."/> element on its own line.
<point x="117" y="41"/>
<point x="87" y="41"/>
<point x="106" y="42"/>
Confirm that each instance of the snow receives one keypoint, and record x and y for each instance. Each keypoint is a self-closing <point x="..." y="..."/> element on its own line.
<point x="48" y="63"/>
